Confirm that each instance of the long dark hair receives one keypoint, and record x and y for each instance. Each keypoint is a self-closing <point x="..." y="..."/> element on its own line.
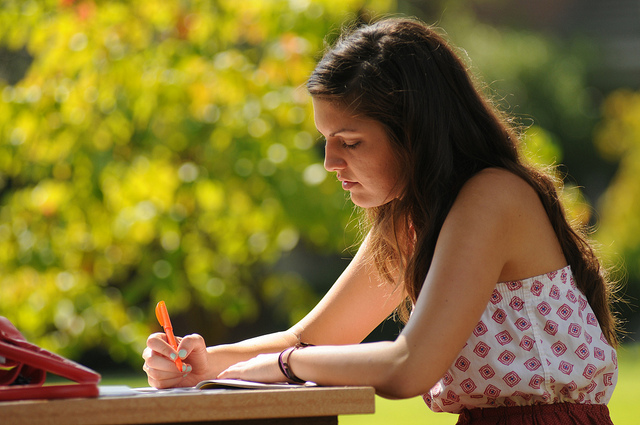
<point x="403" y="74"/>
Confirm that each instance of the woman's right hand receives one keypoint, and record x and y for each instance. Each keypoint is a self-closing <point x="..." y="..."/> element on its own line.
<point x="161" y="369"/>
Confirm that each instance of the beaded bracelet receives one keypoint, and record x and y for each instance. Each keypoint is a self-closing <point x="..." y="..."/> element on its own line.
<point x="283" y="362"/>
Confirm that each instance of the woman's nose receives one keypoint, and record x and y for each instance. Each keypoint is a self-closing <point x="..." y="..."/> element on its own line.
<point x="332" y="159"/>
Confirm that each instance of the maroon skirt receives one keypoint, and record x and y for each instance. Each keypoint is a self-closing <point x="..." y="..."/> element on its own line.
<point x="539" y="414"/>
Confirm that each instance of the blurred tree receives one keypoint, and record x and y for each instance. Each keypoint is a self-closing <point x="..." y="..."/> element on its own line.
<point x="618" y="139"/>
<point x="542" y="84"/>
<point x="160" y="150"/>
<point x="544" y="81"/>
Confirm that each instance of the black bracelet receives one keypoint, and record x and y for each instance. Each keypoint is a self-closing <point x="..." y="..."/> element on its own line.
<point x="284" y="363"/>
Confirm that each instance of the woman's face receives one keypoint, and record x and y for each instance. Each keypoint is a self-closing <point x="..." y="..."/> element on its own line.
<point x="358" y="150"/>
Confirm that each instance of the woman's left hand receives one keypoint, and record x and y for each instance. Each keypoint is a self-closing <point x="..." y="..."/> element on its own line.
<point x="262" y="368"/>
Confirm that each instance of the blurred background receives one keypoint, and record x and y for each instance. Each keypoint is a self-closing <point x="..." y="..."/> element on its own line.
<point x="165" y="150"/>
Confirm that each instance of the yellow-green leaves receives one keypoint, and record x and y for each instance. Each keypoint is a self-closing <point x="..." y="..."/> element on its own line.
<point x="158" y="150"/>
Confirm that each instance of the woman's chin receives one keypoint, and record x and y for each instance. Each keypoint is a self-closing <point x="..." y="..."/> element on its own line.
<point x="364" y="202"/>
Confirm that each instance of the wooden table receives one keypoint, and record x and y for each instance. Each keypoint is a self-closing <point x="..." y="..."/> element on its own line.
<point x="314" y="405"/>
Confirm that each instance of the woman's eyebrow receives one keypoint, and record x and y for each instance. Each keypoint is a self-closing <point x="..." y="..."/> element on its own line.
<point x="343" y="130"/>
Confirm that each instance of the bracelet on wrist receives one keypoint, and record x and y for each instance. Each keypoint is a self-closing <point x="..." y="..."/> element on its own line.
<point x="283" y="362"/>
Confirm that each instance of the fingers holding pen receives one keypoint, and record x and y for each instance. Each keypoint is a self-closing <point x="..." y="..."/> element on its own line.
<point x="161" y="372"/>
<point x="159" y="378"/>
<point x="193" y="349"/>
<point x="187" y="346"/>
<point x="157" y="343"/>
<point x="160" y="364"/>
<point x="191" y="345"/>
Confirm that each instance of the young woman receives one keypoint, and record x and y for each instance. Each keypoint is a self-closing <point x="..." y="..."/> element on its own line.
<point x="507" y="310"/>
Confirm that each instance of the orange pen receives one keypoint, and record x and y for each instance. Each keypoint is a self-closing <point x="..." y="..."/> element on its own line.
<point x="163" y="317"/>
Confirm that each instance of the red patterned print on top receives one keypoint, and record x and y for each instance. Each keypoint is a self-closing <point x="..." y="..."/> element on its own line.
<point x="537" y="341"/>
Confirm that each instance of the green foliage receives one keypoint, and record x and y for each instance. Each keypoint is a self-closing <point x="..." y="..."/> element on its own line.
<point x="542" y="81"/>
<point x="542" y="84"/>
<point x="160" y="150"/>
<point x="618" y="138"/>
<point x="540" y="149"/>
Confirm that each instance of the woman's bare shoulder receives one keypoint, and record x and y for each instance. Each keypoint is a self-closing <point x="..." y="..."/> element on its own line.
<point x="498" y="178"/>
<point x="510" y="207"/>
<point x="499" y="187"/>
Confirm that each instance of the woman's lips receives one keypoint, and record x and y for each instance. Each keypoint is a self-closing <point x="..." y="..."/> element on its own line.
<point x="347" y="185"/>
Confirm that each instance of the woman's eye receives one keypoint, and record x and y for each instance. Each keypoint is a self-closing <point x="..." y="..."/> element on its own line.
<point x="350" y="145"/>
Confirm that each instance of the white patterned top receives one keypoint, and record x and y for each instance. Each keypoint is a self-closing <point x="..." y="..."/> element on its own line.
<point x="537" y="342"/>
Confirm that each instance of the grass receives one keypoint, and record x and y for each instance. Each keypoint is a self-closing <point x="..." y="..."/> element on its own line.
<point x="623" y="406"/>
<point x="624" y="403"/>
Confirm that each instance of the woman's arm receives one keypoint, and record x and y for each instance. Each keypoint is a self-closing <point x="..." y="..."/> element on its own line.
<point x="496" y="228"/>
<point x="351" y="309"/>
